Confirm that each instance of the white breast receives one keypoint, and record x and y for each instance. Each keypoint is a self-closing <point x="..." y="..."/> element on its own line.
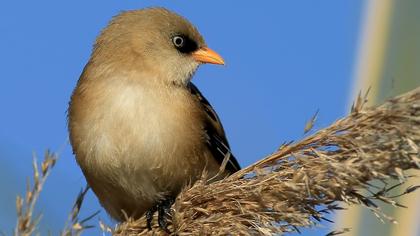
<point x="132" y="118"/>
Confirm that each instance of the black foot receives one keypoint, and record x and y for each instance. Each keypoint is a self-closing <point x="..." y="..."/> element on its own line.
<point x="149" y="217"/>
<point x="164" y="213"/>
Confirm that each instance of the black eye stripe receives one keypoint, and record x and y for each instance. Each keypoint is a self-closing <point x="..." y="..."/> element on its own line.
<point x="184" y="44"/>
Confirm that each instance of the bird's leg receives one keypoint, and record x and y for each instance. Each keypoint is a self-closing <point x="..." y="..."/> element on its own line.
<point x="164" y="212"/>
<point x="149" y="216"/>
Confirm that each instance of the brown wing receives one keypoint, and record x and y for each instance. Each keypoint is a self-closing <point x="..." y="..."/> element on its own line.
<point x="217" y="141"/>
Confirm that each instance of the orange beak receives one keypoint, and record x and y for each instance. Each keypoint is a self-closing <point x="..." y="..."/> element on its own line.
<point x="206" y="55"/>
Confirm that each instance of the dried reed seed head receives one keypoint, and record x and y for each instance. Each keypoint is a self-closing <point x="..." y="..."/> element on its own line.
<point x="26" y="222"/>
<point x="19" y="205"/>
<point x="29" y="196"/>
<point x="300" y="184"/>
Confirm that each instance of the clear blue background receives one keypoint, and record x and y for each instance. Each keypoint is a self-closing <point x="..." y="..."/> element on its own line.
<point x="285" y="60"/>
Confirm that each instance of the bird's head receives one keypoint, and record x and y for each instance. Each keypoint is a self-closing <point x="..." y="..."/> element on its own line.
<point x="154" y="41"/>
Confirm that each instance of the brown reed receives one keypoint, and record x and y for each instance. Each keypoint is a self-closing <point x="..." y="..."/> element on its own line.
<point x="302" y="182"/>
<point x="26" y="221"/>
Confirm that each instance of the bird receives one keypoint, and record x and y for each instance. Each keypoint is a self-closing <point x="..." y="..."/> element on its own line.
<point x="140" y="130"/>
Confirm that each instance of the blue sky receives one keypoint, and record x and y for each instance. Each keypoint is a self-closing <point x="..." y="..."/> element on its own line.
<point x="285" y="60"/>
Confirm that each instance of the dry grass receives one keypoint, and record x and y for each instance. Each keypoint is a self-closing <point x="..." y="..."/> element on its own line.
<point x="75" y="225"/>
<point x="302" y="182"/>
<point x="27" y="223"/>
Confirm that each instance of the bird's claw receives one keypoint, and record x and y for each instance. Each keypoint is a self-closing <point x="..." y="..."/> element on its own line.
<point x="149" y="217"/>
<point x="164" y="213"/>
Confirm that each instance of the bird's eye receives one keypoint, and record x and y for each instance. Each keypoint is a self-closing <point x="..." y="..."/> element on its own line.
<point x="178" y="41"/>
